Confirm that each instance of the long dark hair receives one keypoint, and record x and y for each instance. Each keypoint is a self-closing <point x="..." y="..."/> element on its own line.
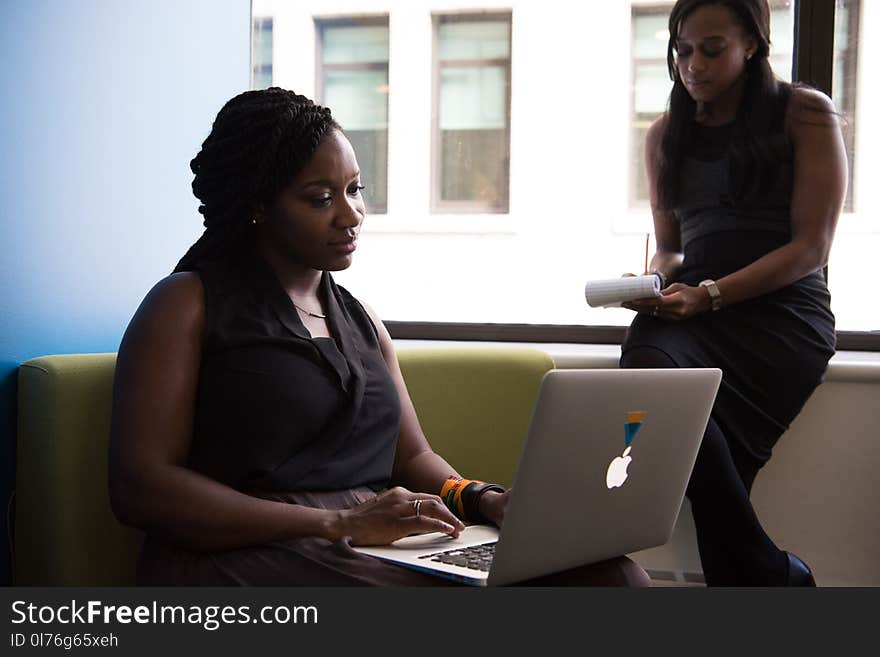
<point x="259" y="141"/>
<point x="752" y="162"/>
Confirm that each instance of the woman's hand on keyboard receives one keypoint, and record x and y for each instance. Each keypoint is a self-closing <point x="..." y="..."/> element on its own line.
<point x="393" y="514"/>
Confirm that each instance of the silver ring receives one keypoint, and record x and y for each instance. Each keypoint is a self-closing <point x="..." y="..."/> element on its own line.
<point x="418" y="505"/>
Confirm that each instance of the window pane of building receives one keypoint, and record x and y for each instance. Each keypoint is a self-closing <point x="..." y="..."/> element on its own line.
<point x="473" y="98"/>
<point x="460" y="41"/>
<point x="473" y="73"/>
<point x="652" y="86"/>
<point x="353" y="74"/>
<point x="262" y="53"/>
<point x="782" y="38"/>
<point x="359" y="99"/>
<point x="845" y="77"/>
<point x="650" y="90"/>
<point x="358" y="44"/>
<point x="650" y="32"/>
<point x="473" y="114"/>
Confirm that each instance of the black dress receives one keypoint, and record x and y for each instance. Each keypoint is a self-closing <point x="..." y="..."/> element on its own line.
<point x="286" y="417"/>
<point x="300" y="420"/>
<point x="773" y="349"/>
<point x="278" y="410"/>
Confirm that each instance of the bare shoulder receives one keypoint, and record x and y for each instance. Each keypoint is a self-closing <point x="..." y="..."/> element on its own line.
<point x="385" y="342"/>
<point x="182" y="292"/>
<point x="174" y="305"/>
<point x="808" y="109"/>
<point x="377" y="321"/>
<point x="654" y="136"/>
<point x="808" y="98"/>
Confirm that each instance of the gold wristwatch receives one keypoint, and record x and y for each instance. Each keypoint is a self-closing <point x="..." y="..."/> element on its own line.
<point x="714" y="293"/>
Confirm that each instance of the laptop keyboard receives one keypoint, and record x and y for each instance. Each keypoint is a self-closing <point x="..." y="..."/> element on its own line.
<point x="475" y="557"/>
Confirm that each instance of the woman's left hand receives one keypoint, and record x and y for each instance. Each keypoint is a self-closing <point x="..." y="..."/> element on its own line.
<point x="676" y="302"/>
<point x="493" y="505"/>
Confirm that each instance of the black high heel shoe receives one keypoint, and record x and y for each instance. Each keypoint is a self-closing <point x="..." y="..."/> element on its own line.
<point x="799" y="573"/>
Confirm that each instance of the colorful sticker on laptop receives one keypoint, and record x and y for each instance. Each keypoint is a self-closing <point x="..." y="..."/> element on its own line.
<point x="616" y="474"/>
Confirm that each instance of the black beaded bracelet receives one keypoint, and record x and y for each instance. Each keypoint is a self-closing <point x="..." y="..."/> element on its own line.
<point x="470" y="500"/>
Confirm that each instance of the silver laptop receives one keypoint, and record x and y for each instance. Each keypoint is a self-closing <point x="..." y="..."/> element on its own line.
<point x="603" y="473"/>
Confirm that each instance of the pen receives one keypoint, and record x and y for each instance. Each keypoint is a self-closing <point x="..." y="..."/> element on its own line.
<point x="647" y="239"/>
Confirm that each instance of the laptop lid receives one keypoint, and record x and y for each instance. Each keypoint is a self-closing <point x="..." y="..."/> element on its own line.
<point x="604" y="468"/>
<point x="603" y="472"/>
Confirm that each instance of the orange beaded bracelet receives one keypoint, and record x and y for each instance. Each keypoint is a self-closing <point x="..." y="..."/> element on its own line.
<point x="462" y="496"/>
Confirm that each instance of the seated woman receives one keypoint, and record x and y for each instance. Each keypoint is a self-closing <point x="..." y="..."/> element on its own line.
<point x="259" y="413"/>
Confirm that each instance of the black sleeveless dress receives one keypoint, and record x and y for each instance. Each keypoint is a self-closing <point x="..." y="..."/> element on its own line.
<point x="287" y="417"/>
<point x="278" y="410"/>
<point x="299" y="420"/>
<point x="773" y="349"/>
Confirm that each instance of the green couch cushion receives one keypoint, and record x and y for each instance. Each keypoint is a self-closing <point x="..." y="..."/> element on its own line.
<point x="475" y="404"/>
<point x="65" y="532"/>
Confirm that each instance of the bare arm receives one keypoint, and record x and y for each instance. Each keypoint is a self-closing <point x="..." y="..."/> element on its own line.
<point x="818" y="191"/>
<point x="151" y="430"/>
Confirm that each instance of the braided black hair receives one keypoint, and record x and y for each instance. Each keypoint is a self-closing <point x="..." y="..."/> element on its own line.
<point x="260" y="140"/>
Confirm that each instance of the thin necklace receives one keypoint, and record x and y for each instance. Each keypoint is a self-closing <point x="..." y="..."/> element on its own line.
<point x="309" y="312"/>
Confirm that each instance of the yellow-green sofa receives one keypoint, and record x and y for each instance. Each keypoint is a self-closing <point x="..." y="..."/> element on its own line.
<point x="474" y="405"/>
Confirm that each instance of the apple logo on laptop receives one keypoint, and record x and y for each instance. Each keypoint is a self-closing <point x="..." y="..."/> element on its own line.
<point x="617" y="474"/>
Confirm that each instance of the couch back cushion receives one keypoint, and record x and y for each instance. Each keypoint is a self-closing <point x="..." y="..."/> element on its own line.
<point x="475" y="404"/>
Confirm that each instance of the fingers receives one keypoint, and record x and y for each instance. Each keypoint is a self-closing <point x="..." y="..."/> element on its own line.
<point x="425" y="524"/>
<point x="431" y="507"/>
<point x="422" y="507"/>
<point x="646" y="307"/>
<point x="672" y="289"/>
<point x="671" y="304"/>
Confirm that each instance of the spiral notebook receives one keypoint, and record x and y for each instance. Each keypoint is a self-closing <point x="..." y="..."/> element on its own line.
<point x="609" y="293"/>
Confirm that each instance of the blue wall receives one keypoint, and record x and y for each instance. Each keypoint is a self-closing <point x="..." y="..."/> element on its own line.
<point x="104" y="103"/>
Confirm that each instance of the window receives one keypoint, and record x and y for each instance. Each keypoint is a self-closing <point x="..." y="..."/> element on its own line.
<point x="650" y="88"/>
<point x="352" y="79"/>
<point x="845" y="78"/>
<point x="499" y="184"/>
<point x="261" y="46"/>
<point x="855" y="96"/>
<point x="471" y="141"/>
<point x="782" y="38"/>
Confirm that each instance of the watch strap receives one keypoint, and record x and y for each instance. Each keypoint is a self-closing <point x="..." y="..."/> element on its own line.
<point x="714" y="292"/>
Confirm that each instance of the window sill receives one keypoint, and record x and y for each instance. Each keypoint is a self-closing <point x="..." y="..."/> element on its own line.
<point x="845" y="366"/>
